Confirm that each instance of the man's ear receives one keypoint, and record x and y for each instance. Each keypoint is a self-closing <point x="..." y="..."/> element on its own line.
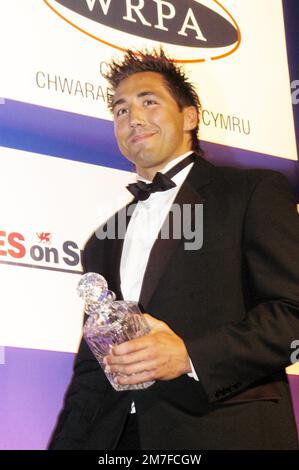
<point x="190" y="118"/>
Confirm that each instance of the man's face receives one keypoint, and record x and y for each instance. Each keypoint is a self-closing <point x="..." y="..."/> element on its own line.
<point x="149" y="127"/>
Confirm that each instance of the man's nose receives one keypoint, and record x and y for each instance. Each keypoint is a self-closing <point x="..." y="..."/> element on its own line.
<point x="136" y="116"/>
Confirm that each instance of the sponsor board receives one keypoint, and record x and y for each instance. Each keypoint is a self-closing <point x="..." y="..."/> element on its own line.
<point x="236" y="58"/>
<point x="206" y="28"/>
<point x="50" y="206"/>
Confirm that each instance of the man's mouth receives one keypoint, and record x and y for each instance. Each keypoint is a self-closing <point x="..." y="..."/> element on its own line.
<point x="142" y="136"/>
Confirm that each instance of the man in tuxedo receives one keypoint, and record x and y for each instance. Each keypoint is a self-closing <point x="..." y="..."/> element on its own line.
<point x="223" y="312"/>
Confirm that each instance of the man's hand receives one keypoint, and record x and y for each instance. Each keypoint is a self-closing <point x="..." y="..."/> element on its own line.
<point x="160" y="355"/>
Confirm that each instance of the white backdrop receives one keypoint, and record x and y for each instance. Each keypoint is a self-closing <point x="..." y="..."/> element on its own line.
<point x="59" y="65"/>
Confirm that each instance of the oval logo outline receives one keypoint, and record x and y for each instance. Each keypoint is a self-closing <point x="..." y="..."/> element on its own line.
<point x="122" y="49"/>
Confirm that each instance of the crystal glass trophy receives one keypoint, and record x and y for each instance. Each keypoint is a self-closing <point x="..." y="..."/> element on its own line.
<point x="110" y="322"/>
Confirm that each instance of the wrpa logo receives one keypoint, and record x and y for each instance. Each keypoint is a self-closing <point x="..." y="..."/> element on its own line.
<point x="199" y="29"/>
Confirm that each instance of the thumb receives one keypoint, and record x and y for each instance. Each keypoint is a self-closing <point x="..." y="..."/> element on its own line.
<point x="153" y="322"/>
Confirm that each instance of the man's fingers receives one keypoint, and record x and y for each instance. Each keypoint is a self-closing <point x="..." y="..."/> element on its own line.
<point x="136" y="368"/>
<point x="134" y="379"/>
<point x="130" y="346"/>
<point x="127" y="359"/>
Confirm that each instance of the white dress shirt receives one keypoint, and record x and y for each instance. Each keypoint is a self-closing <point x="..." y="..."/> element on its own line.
<point x="142" y="232"/>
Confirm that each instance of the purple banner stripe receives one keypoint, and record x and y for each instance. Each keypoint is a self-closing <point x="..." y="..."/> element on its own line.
<point x="57" y="133"/>
<point x="32" y="384"/>
<point x="81" y="138"/>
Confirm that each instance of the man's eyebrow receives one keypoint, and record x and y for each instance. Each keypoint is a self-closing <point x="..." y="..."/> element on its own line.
<point x="120" y="101"/>
<point x="145" y="93"/>
<point x="140" y="95"/>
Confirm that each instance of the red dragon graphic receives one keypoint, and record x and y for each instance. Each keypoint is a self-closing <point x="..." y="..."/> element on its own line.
<point x="44" y="237"/>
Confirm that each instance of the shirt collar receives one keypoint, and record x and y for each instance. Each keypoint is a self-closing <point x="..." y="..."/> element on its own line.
<point x="167" y="167"/>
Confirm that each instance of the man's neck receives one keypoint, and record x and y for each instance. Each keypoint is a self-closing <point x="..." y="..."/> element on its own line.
<point x="149" y="173"/>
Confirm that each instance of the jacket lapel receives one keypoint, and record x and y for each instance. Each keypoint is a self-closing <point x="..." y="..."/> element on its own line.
<point x="114" y="246"/>
<point x="164" y="249"/>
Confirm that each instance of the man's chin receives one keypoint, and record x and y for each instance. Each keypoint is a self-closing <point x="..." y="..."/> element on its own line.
<point x="143" y="157"/>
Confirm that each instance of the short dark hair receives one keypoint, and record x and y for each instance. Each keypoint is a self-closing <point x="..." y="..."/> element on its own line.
<point x="181" y="89"/>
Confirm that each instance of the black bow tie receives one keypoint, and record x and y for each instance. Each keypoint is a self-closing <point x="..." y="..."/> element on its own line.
<point x="161" y="182"/>
<point x="142" y="190"/>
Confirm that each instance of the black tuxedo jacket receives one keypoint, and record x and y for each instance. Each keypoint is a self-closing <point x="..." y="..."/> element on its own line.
<point x="234" y="301"/>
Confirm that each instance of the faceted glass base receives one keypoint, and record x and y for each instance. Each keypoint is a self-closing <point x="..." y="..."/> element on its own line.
<point x="127" y="322"/>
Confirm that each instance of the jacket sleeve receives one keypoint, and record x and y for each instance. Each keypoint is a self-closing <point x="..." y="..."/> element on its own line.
<point x="234" y="357"/>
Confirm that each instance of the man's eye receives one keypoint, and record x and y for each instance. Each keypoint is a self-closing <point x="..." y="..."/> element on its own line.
<point x="121" y="111"/>
<point x="149" y="102"/>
